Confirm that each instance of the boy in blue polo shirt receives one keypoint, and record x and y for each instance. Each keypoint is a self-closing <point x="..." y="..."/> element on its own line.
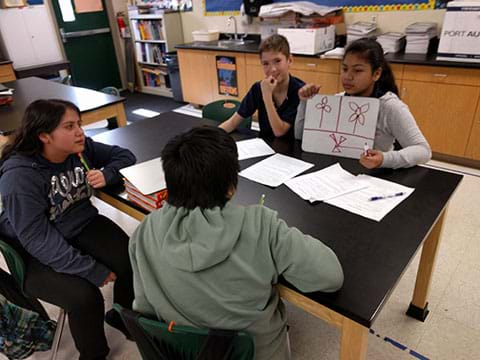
<point x="275" y="97"/>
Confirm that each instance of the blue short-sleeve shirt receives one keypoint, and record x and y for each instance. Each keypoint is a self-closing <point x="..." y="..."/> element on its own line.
<point x="287" y="110"/>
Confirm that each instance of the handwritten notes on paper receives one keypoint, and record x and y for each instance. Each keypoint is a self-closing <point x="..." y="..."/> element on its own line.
<point x="253" y="148"/>
<point x="275" y="170"/>
<point x="358" y="202"/>
<point x="325" y="184"/>
<point x="340" y="125"/>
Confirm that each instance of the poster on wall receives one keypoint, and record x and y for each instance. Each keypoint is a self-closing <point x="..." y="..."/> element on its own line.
<point x="222" y="7"/>
<point x="227" y="75"/>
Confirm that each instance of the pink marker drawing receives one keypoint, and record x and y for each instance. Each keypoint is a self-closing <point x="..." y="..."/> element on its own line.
<point x="323" y="107"/>
<point x="358" y="115"/>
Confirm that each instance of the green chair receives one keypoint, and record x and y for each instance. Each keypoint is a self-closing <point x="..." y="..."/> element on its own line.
<point x="158" y="340"/>
<point x="111" y="90"/>
<point x="16" y="266"/>
<point x="222" y="110"/>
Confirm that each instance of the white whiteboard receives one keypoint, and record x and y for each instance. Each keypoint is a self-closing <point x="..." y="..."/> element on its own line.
<point x="340" y="125"/>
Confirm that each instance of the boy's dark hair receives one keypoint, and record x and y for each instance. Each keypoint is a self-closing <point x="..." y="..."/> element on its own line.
<point x="41" y="116"/>
<point x="372" y="51"/>
<point x="276" y="43"/>
<point x="201" y="166"/>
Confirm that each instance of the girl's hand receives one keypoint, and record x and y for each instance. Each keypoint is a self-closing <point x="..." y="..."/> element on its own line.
<point x="96" y="179"/>
<point x="308" y="91"/>
<point x="268" y="85"/>
<point x="110" y="278"/>
<point x="372" y="160"/>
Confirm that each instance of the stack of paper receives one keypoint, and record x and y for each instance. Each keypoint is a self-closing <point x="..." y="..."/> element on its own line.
<point x="336" y="53"/>
<point x="392" y="42"/>
<point x="387" y="196"/>
<point x="253" y="148"/>
<point x="325" y="184"/>
<point x="5" y="95"/>
<point x="360" y="30"/>
<point x="419" y="35"/>
<point x="275" y="170"/>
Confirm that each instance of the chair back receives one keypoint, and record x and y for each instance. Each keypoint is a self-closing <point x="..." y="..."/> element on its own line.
<point x="14" y="262"/>
<point x="157" y="340"/>
<point x="111" y="90"/>
<point x="222" y="110"/>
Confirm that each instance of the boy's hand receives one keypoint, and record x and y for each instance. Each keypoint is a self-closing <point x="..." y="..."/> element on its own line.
<point x="268" y="85"/>
<point x="110" y="278"/>
<point x="96" y="179"/>
<point x="372" y="160"/>
<point x="308" y="91"/>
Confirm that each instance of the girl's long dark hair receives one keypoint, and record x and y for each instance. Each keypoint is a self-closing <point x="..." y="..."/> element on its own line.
<point x="41" y="116"/>
<point x="372" y="51"/>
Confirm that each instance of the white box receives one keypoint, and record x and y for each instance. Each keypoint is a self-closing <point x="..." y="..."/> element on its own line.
<point x="460" y="37"/>
<point x="310" y="41"/>
<point x="205" y="35"/>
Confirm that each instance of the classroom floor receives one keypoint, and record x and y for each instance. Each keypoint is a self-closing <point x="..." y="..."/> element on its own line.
<point x="451" y="330"/>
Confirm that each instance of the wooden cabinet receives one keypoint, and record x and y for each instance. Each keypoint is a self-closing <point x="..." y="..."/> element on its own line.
<point x="29" y="36"/>
<point x="198" y="73"/>
<point x="6" y="73"/>
<point x="443" y="112"/>
<point x="473" y="147"/>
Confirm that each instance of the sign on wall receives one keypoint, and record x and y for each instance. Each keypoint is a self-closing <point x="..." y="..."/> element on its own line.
<point x="230" y="7"/>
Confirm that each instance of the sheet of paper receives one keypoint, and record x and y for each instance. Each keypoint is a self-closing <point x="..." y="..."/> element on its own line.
<point x="148" y="176"/>
<point x="253" y="148"/>
<point x="145" y="113"/>
<point x="275" y="170"/>
<point x="325" y="184"/>
<point x="359" y="203"/>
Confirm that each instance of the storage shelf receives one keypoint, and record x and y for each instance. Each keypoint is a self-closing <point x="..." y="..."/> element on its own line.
<point x="151" y="64"/>
<point x="151" y="41"/>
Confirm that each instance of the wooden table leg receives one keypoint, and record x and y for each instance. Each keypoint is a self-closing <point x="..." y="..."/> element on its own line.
<point x="121" y="116"/>
<point x="418" y="308"/>
<point x="354" y="341"/>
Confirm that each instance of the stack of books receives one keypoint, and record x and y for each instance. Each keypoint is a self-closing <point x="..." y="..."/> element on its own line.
<point x="360" y="29"/>
<point x="148" y="202"/>
<point x="392" y="42"/>
<point x="145" y="184"/>
<point x="419" y="35"/>
<point x="5" y="95"/>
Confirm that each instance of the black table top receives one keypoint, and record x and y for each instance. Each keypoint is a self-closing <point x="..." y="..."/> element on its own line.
<point x="374" y="254"/>
<point x="33" y="88"/>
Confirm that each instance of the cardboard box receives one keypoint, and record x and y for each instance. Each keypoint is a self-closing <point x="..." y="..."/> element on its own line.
<point x="460" y="37"/>
<point x="310" y="41"/>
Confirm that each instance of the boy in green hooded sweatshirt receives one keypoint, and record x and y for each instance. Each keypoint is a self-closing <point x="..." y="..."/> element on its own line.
<point x="202" y="261"/>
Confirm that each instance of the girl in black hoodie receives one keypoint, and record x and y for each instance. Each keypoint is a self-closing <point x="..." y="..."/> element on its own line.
<point x="46" y="178"/>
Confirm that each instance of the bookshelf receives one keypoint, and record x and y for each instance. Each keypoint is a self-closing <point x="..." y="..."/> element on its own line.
<point x="154" y="35"/>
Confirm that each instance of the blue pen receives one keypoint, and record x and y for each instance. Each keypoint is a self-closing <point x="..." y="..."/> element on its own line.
<point x="375" y="198"/>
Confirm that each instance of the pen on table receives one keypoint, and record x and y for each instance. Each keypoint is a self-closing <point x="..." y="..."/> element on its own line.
<point x="262" y="199"/>
<point x="84" y="163"/>
<point x="381" y="197"/>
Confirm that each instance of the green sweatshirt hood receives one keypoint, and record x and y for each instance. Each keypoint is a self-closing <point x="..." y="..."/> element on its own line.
<point x="194" y="240"/>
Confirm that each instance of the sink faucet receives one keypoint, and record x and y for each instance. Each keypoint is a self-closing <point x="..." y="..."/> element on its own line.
<point x="234" y="26"/>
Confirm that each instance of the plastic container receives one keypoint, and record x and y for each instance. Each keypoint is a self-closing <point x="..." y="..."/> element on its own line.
<point x="205" y="35"/>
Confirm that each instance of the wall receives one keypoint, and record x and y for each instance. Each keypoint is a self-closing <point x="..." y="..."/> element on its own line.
<point x="387" y="21"/>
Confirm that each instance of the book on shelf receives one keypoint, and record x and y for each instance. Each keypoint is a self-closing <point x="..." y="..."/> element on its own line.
<point x="148" y="30"/>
